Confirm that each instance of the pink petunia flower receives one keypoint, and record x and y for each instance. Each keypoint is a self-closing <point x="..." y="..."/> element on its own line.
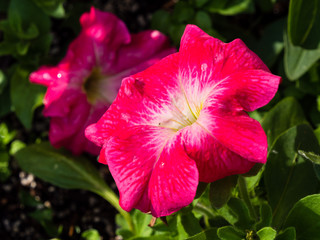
<point x="184" y="120"/>
<point x="84" y="84"/>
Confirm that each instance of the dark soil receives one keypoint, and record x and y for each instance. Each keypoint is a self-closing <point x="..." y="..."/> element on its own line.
<point x="74" y="211"/>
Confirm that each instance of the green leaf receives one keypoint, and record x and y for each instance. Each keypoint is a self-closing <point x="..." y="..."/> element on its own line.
<point x="170" y="228"/>
<point x="60" y="168"/>
<point x="289" y="177"/>
<point x="241" y="211"/>
<point x="288" y="234"/>
<point x="297" y="60"/>
<point x="208" y="234"/>
<point x="3" y="81"/>
<point x="123" y="227"/>
<point x="302" y="20"/>
<point x="26" y="199"/>
<point x="305" y="217"/>
<point x="91" y="234"/>
<point x="25" y="97"/>
<point x="203" y="20"/>
<point x="183" y="12"/>
<point x="202" y="186"/>
<point x="253" y="177"/>
<point x="53" y="8"/>
<point x="15" y="146"/>
<point x="23" y="14"/>
<point x="285" y="114"/>
<point x="44" y="217"/>
<point x="220" y="190"/>
<point x="230" y="233"/>
<point x="267" y="233"/>
<point x="271" y="43"/>
<point x="5" y="171"/>
<point x="190" y="224"/>
<point x="176" y="32"/>
<point x="265" y="216"/>
<point x="141" y="221"/>
<point x="199" y="3"/>
<point x="229" y="7"/>
<point x="310" y="156"/>
<point x="6" y="136"/>
<point x="161" y="21"/>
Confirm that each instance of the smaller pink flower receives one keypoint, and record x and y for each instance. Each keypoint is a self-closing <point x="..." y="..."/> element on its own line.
<point x="184" y="120"/>
<point x="84" y="84"/>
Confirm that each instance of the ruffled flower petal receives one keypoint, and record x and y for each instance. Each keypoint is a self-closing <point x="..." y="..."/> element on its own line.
<point x="152" y="171"/>
<point x="202" y="147"/>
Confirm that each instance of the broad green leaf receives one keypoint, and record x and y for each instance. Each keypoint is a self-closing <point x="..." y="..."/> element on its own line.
<point x="284" y="115"/>
<point x="229" y="7"/>
<point x="208" y="234"/>
<point x="53" y="8"/>
<point x="183" y="12"/>
<point x="315" y="158"/>
<point x="199" y="3"/>
<point x="141" y="221"/>
<point x="289" y="177"/>
<point x="182" y="234"/>
<point x="15" y="146"/>
<point x="230" y="233"/>
<point x="309" y="83"/>
<point x="302" y="18"/>
<point x="203" y="20"/>
<point x="161" y="21"/>
<point x="297" y="60"/>
<point x="241" y="211"/>
<point x="123" y="228"/>
<point x="91" y="234"/>
<point x="265" y="216"/>
<point x="23" y="13"/>
<point x="317" y="133"/>
<point x="267" y="233"/>
<point x="271" y="43"/>
<point x="287" y="234"/>
<point x="60" y="168"/>
<point x="170" y="228"/>
<point x="202" y="186"/>
<point x="253" y="177"/>
<point x="6" y="136"/>
<point x="305" y="217"/>
<point x="190" y="224"/>
<point x="176" y="32"/>
<point x="25" y="97"/>
<point x="220" y="190"/>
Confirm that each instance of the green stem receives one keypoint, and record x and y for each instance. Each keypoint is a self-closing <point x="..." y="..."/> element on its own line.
<point x="245" y="196"/>
<point x="113" y="199"/>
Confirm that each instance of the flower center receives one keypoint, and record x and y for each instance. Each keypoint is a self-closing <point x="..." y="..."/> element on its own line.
<point x="181" y="113"/>
<point x="97" y="87"/>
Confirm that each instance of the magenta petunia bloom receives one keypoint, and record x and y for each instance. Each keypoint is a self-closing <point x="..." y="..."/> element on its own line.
<point x="84" y="84"/>
<point x="184" y="120"/>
